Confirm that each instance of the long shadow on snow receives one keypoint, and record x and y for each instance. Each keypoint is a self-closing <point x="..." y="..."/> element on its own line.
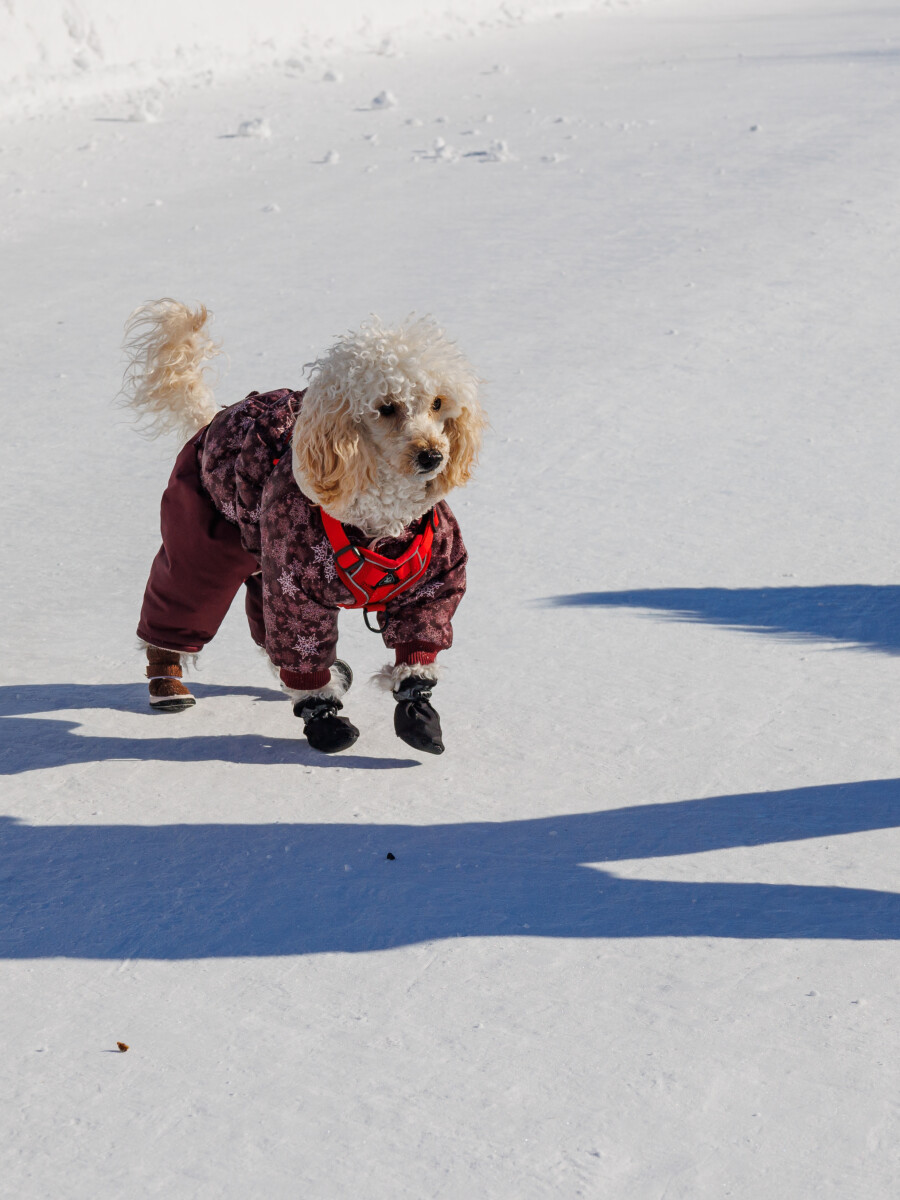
<point x="29" y="743"/>
<point x="866" y="615"/>
<point x="198" y="891"/>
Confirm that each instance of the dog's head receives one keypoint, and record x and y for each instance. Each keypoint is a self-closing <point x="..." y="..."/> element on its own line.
<point x="399" y="401"/>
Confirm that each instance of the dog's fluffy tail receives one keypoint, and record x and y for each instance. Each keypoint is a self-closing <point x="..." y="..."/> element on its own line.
<point x="167" y="344"/>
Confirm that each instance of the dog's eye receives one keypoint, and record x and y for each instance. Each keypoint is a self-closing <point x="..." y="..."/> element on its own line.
<point x="436" y="404"/>
<point x="387" y="410"/>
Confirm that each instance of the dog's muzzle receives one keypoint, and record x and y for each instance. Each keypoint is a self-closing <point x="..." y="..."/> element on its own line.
<point x="428" y="460"/>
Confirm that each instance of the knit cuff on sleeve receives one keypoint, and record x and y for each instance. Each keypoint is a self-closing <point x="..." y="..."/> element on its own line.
<point x="416" y="653"/>
<point x="305" y="681"/>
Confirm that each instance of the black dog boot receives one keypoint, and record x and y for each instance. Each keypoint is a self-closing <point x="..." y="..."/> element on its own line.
<point x="415" y="721"/>
<point x="325" y="730"/>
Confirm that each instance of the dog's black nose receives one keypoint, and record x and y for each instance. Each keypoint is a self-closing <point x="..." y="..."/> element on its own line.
<point x="429" y="459"/>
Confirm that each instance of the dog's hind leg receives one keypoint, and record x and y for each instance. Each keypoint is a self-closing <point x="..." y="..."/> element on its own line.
<point x="193" y="580"/>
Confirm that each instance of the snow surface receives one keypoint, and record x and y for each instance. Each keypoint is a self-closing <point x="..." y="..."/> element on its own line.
<point x="59" y="51"/>
<point x="638" y="939"/>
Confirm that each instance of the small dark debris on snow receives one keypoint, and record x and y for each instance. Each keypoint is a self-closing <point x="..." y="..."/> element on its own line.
<point x="123" y="1046"/>
<point x="390" y="856"/>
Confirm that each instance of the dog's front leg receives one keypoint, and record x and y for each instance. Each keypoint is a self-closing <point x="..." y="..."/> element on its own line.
<point x="318" y="708"/>
<point x="415" y="720"/>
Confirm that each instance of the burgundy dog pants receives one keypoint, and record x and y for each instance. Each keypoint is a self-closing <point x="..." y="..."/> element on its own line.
<point x="199" y="568"/>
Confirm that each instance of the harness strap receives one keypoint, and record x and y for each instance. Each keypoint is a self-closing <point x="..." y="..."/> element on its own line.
<point x="372" y="579"/>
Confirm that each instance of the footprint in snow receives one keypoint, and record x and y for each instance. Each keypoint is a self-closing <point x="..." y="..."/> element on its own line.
<point x="497" y="152"/>
<point x="385" y="100"/>
<point x="147" y="112"/>
<point x="258" y="127"/>
<point x="441" y="152"/>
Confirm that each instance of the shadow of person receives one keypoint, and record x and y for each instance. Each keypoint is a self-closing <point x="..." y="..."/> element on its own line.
<point x="865" y="616"/>
<point x="30" y="743"/>
<point x="200" y="891"/>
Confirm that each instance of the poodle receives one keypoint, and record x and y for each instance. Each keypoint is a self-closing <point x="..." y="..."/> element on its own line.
<point x="315" y="500"/>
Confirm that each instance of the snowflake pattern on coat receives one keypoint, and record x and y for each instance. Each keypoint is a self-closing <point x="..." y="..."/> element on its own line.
<point x="324" y="558"/>
<point x="246" y="469"/>
<point x="287" y="585"/>
<point x="426" y="591"/>
<point x="306" y="646"/>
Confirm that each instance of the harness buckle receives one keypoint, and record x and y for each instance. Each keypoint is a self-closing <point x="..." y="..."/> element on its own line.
<point x="351" y="564"/>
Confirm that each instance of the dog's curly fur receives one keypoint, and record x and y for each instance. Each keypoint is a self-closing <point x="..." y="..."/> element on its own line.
<point x="360" y="463"/>
<point x="167" y="345"/>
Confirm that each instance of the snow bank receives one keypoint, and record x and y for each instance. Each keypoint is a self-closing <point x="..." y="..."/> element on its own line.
<point x="59" y="51"/>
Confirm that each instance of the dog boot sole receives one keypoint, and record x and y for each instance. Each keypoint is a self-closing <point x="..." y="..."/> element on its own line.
<point x="172" y="703"/>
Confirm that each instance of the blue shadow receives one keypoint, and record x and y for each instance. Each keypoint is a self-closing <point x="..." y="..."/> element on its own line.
<point x="202" y="891"/>
<point x="865" y="616"/>
<point x="30" y="743"/>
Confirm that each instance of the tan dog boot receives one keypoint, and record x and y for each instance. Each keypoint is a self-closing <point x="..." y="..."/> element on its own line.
<point x="167" y="692"/>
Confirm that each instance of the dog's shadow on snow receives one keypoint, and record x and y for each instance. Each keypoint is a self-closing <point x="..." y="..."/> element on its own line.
<point x="859" y="616"/>
<point x="201" y="891"/>
<point x="29" y="742"/>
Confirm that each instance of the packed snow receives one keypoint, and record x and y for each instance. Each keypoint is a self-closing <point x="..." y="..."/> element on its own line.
<point x="59" y="51"/>
<point x="635" y="934"/>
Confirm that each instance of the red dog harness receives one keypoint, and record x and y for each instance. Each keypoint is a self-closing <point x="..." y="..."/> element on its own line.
<point x="372" y="579"/>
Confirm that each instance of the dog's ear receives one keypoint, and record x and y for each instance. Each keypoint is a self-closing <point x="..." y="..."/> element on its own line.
<point x="465" y="434"/>
<point x="330" y="456"/>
